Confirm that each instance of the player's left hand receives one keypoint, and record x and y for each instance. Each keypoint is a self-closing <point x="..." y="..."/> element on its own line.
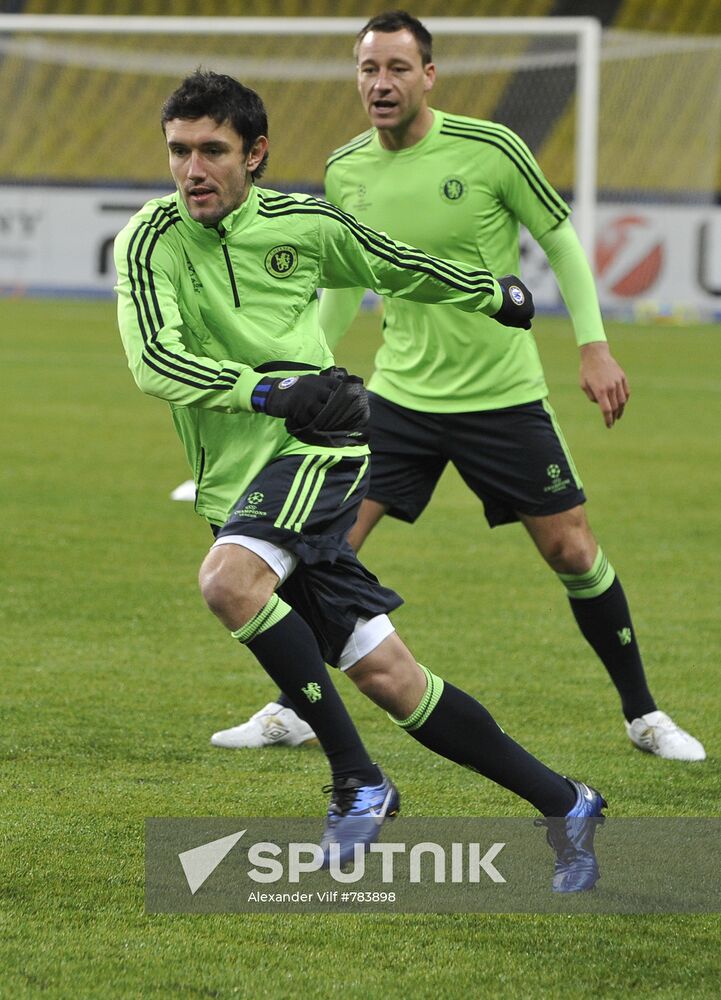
<point x="604" y="381"/>
<point x="343" y="418"/>
<point x="517" y="308"/>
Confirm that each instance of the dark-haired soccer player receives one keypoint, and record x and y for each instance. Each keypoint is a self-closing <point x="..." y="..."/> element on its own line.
<point x="218" y="314"/>
<point x="446" y="388"/>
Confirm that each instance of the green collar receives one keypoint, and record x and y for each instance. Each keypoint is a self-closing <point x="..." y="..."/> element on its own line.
<point x="418" y="148"/>
<point x="229" y="227"/>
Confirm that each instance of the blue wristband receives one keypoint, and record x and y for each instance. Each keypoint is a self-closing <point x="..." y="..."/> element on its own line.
<point x="259" y="396"/>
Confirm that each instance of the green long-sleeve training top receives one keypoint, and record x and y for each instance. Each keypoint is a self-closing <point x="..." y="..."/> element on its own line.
<point x="205" y="312"/>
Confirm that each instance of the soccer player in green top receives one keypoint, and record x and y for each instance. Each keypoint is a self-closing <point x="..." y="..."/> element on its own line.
<point x="446" y="387"/>
<point x="218" y="313"/>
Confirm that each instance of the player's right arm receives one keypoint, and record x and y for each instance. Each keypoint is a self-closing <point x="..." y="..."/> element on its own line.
<point x="352" y="255"/>
<point x="150" y="325"/>
<point x="601" y="377"/>
<point x="526" y="192"/>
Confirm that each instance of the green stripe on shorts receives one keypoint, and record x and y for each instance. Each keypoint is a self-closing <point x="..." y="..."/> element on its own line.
<point x="304" y="491"/>
<point x="361" y="472"/>
<point x="320" y="474"/>
<point x="562" y="441"/>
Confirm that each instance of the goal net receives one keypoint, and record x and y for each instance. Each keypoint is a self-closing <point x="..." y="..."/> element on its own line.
<point x="87" y="99"/>
<point x="629" y="119"/>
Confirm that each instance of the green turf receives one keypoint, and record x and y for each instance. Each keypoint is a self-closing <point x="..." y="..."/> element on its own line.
<point x="114" y="675"/>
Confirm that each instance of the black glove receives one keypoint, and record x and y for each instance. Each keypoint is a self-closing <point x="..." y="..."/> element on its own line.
<point x="330" y="409"/>
<point x="517" y="308"/>
<point x="343" y="420"/>
<point x="299" y="396"/>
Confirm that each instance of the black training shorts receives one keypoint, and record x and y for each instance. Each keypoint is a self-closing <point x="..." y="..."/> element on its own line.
<point x="514" y="459"/>
<point x="307" y="504"/>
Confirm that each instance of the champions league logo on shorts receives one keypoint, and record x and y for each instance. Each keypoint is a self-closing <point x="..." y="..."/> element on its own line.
<point x="248" y="506"/>
<point x="554" y="472"/>
<point x="453" y="189"/>
<point x="281" y="261"/>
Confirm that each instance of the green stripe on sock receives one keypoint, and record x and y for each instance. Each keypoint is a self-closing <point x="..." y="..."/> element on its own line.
<point x="268" y="616"/>
<point x="434" y="690"/>
<point x="592" y="584"/>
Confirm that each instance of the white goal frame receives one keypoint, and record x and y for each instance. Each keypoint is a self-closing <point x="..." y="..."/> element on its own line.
<point x="586" y="31"/>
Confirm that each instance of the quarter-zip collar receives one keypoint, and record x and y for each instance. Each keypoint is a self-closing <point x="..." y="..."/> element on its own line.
<point x="228" y="228"/>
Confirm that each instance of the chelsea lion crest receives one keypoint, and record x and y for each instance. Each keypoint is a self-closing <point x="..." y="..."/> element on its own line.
<point x="454" y="189"/>
<point x="281" y="261"/>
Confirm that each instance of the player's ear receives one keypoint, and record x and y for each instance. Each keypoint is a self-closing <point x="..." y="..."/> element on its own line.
<point x="429" y="74"/>
<point x="257" y="152"/>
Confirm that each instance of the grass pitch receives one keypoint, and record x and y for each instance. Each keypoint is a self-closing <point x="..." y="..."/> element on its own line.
<point x="114" y="676"/>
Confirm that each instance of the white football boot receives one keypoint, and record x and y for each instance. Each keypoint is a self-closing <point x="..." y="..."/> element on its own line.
<point x="657" y="733"/>
<point x="272" y="726"/>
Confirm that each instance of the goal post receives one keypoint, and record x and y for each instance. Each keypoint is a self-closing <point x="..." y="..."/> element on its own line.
<point x="468" y="48"/>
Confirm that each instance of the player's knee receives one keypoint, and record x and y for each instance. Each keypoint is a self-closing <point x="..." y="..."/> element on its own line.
<point x="219" y="590"/>
<point x="571" y="552"/>
<point x="377" y="684"/>
<point x="231" y="594"/>
<point x="393" y="682"/>
<point x="385" y="689"/>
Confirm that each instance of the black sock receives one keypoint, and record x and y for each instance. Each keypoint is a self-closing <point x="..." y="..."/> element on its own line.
<point x="605" y="622"/>
<point x="285" y="701"/>
<point x="289" y="654"/>
<point x="451" y="723"/>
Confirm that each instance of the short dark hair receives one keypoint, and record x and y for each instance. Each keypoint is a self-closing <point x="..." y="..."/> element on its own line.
<point x="223" y="99"/>
<point x="396" y="20"/>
